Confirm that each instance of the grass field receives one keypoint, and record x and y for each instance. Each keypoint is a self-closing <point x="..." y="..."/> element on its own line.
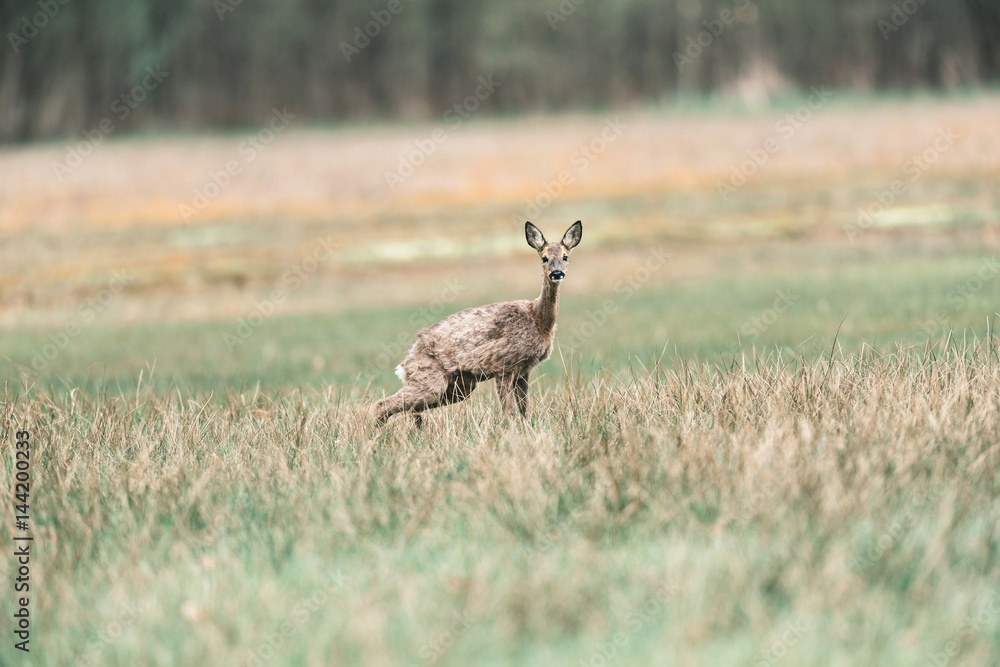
<point x="767" y="436"/>
<point x="838" y="513"/>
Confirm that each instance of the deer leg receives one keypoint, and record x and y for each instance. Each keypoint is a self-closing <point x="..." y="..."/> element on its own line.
<point x="413" y="398"/>
<point x="387" y="407"/>
<point x="460" y="388"/>
<point x="521" y="394"/>
<point x="505" y="387"/>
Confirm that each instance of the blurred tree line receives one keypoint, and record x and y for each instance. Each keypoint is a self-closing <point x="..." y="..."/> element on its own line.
<point x="68" y="64"/>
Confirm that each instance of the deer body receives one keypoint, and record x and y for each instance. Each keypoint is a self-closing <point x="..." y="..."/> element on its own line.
<point x="504" y="341"/>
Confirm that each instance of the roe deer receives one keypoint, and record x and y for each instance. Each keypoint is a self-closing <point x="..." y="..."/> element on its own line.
<point x="502" y="340"/>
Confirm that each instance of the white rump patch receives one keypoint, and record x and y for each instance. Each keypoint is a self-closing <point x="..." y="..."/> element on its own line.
<point x="400" y="373"/>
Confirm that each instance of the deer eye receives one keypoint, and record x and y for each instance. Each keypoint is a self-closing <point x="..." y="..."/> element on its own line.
<point x="565" y="258"/>
<point x="545" y="260"/>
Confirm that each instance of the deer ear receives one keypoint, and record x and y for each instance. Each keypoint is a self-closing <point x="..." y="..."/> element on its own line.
<point x="573" y="235"/>
<point x="535" y="238"/>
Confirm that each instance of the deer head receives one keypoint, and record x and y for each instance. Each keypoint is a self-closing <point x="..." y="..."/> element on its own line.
<point x="554" y="256"/>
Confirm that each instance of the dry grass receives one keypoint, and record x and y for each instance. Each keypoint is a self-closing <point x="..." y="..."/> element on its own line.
<point x="697" y="512"/>
<point x="310" y="174"/>
<point x="656" y="183"/>
<point x="787" y="512"/>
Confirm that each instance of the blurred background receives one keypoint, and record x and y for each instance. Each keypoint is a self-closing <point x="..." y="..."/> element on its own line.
<point x="231" y="62"/>
<point x="224" y="194"/>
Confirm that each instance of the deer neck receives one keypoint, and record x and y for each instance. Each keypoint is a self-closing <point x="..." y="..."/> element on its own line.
<point x="546" y="307"/>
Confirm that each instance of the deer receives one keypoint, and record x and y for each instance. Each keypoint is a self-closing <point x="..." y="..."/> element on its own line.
<point x="503" y="341"/>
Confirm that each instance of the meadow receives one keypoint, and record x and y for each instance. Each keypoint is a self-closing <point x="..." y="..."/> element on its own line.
<point x="768" y="434"/>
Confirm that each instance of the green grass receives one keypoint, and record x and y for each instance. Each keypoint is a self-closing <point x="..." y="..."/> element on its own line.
<point x="877" y="304"/>
<point x="668" y="503"/>
<point x="836" y="513"/>
<point x="692" y="488"/>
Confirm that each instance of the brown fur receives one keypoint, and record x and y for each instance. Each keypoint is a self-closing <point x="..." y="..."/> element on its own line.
<point x="504" y="341"/>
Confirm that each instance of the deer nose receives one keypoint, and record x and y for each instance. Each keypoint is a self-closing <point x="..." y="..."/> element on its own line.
<point x="557" y="275"/>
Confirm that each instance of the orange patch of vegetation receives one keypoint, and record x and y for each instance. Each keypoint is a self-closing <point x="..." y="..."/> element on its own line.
<point x="658" y="179"/>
